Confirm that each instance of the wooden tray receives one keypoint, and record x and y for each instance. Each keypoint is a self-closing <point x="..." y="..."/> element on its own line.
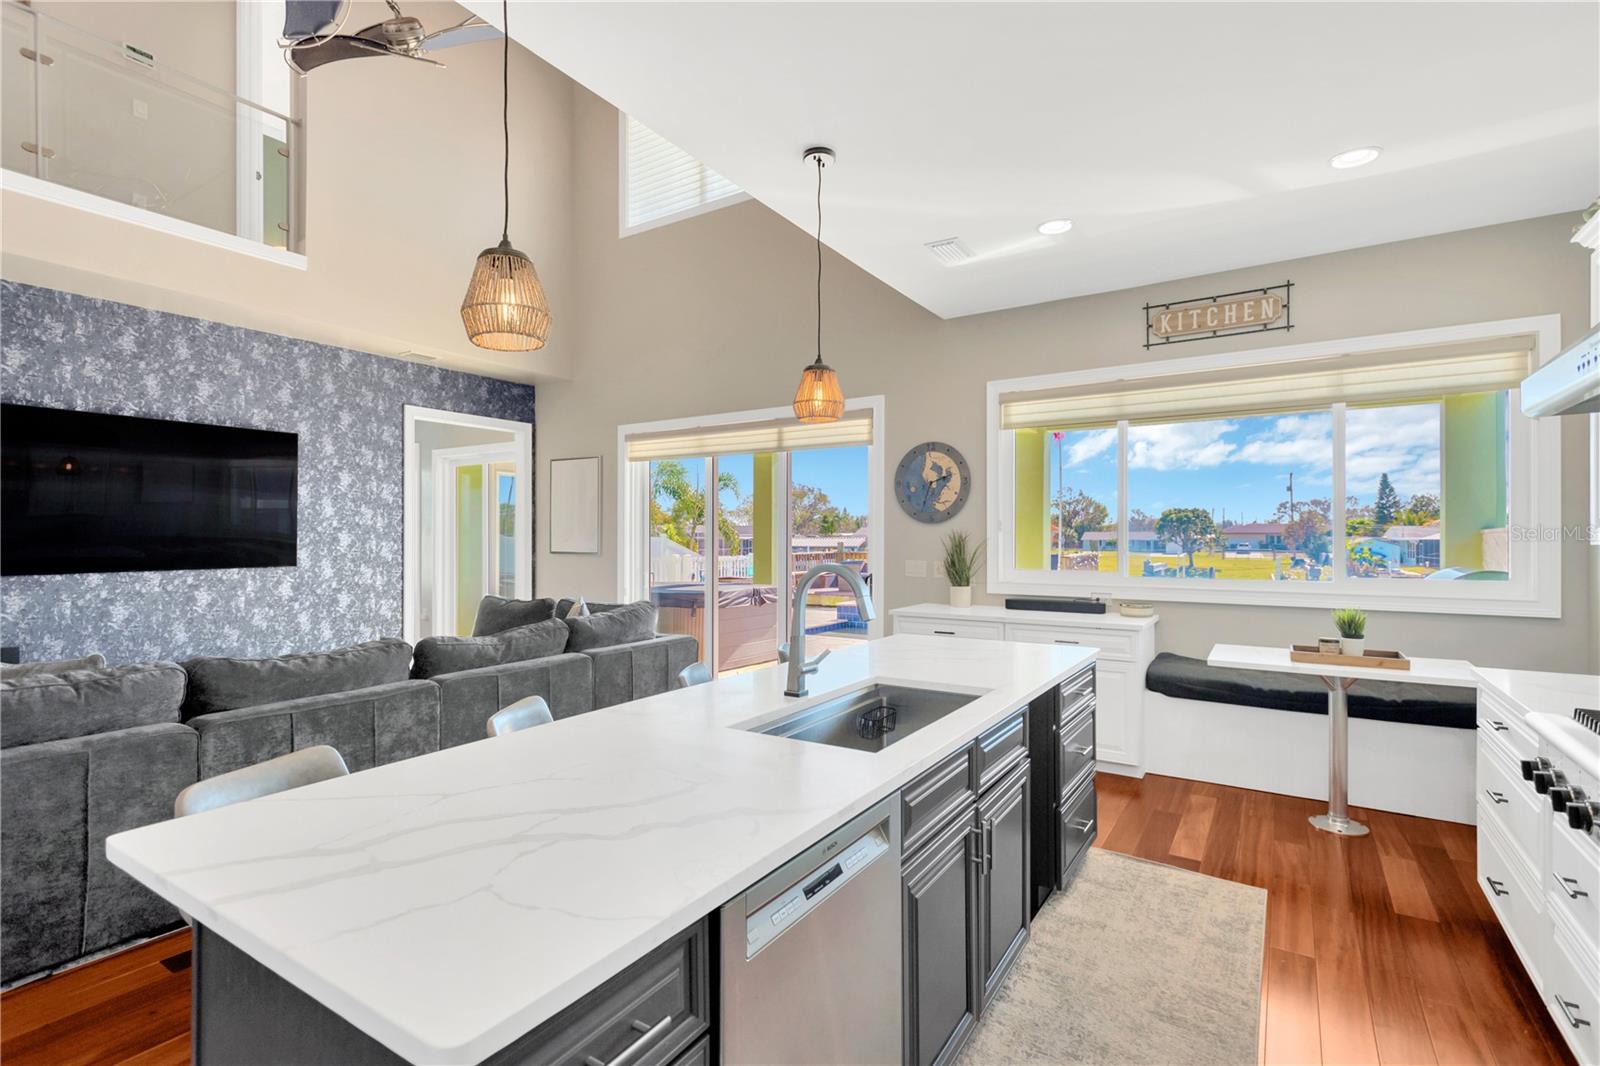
<point x="1372" y="660"/>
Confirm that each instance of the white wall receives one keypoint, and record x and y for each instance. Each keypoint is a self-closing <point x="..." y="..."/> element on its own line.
<point x="403" y="165"/>
<point x="715" y="314"/>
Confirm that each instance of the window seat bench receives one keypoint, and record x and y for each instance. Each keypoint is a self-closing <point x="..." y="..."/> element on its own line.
<point x="1412" y="747"/>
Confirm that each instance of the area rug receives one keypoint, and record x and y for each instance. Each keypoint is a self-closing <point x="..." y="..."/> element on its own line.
<point x="1136" y="962"/>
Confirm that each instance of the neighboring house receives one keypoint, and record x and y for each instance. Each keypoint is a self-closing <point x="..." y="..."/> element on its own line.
<point x="1256" y="536"/>
<point x="1416" y="545"/>
<point x="1142" y="541"/>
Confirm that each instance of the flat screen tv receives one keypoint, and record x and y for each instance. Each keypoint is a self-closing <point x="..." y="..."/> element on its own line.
<point x="90" y="494"/>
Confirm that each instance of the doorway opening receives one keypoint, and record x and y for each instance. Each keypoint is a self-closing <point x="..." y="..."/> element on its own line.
<point x="468" y="517"/>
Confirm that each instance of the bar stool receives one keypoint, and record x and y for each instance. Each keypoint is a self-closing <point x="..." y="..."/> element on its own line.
<point x="694" y="674"/>
<point x="524" y="714"/>
<point x="304" y="767"/>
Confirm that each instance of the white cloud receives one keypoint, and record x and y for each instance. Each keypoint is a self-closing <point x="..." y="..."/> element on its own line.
<point x="1184" y="446"/>
<point x="1294" y="440"/>
<point x="1402" y="442"/>
<point x="1088" y="445"/>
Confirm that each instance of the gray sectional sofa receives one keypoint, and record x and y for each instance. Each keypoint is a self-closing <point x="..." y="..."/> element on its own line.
<point x="90" y="750"/>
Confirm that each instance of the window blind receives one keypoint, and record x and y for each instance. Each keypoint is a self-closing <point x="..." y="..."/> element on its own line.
<point x="1265" y="390"/>
<point x="780" y="435"/>
<point x="663" y="179"/>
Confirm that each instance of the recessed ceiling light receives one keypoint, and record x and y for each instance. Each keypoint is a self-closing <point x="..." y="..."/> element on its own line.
<point x="1355" y="157"/>
<point x="1055" y="226"/>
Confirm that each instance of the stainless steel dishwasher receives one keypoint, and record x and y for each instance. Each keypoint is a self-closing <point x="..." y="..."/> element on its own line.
<point x="811" y="969"/>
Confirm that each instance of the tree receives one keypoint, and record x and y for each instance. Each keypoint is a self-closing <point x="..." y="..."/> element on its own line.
<point x="1140" y="521"/>
<point x="1308" y="533"/>
<point x="1387" y="505"/>
<point x="817" y="516"/>
<point x="1191" y="527"/>
<point x="1358" y="526"/>
<point x="686" y="510"/>
<point x="1420" y="510"/>
<point x="1078" y="513"/>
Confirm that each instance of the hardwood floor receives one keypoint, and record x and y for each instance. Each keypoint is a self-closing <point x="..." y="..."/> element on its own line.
<point x="1379" y="949"/>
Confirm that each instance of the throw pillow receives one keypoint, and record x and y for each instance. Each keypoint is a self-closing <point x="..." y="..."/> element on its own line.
<point x="450" y="655"/>
<point x="627" y="624"/>
<point x="578" y="610"/>
<point x="565" y="606"/>
<point x="496" y="614"/>
<point x="12" y="671"/>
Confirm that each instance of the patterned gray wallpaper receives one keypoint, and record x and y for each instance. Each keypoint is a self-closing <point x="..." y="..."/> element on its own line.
<point x="62" y="350"/>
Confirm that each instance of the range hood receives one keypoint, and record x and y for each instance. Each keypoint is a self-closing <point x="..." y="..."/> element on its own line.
<point x="1569" y="384"/>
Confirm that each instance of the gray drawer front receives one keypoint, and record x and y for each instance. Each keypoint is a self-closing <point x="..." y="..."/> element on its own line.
<point x="929" y="801"/>
<point x="1077" y="750"/>
<point x="1075" y="688"/>
<point x="699" y="1055"/>
<point x="658" y="1007"/>
<point x="1078" y="825"/>
<point x="1001" y="748"/>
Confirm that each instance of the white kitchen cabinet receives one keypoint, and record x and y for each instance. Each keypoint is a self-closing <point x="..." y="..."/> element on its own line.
<point x="1123" y="646"/>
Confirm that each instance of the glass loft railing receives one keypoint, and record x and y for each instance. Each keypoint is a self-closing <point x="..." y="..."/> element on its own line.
<point x="125" y="123"/>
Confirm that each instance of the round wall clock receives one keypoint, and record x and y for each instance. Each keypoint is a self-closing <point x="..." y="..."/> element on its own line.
<point x="932" y="482"/>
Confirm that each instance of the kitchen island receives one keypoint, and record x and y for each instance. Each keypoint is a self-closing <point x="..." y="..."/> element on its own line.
<point x="448" y="905"/>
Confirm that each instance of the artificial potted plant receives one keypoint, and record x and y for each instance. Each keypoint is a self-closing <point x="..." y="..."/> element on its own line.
<point x="961" y="559"/>
<point x="1351" y="622"/>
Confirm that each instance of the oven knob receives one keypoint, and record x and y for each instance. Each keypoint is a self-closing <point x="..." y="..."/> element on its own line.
<point x="1581" y="815"/>
<point x="1563" y="797"/>
<point x="1533" y="766"/>
<point x="1545" y="780"/>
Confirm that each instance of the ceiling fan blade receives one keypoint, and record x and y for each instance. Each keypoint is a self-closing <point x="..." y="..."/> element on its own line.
<point x="459" y="35"/>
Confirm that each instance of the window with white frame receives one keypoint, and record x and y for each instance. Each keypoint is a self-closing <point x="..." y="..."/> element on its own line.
<point x="662" y="183"/>
<point x="1403" y="476"/>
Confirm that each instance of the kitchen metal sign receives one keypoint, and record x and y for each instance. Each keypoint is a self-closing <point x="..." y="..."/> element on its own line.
<point x="1224" y="315"/>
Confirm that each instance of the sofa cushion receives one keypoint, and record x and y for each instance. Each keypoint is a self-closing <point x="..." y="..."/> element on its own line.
<point x="449" y="655"/>
<point x="9" y="671"/>
<point x="1384" y="701"/>
<point x="223" y="684"/>
<point x="605" y="628"/>
<point x="83" y="702"/>
<point x="496" y="614"/>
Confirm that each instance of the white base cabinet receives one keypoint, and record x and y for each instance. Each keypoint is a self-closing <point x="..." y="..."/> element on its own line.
<point x="1123" y="647"/>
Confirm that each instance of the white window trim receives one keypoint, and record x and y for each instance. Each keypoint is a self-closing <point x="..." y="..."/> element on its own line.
<point x="625" y="230"/>
<point x="633" y="483"/>
<point x="1534" y="495"/>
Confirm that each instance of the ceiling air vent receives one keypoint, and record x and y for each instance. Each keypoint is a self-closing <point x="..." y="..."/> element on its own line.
<point x="950" y="251"/>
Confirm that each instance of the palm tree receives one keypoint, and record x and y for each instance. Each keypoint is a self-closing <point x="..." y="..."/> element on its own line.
<point x="669" y="481"/>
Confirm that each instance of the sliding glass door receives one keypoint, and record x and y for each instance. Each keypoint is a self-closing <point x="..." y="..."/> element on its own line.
<point x="828" y="523"/>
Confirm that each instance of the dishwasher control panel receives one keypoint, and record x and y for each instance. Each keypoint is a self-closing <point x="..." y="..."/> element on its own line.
<point x="811" y="891"/>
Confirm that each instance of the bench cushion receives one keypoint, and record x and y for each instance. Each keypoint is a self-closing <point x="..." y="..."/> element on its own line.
<point x="1384" y="701"/>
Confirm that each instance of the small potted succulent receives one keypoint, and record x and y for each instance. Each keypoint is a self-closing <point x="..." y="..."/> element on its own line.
<point x="1351" y="622"/>
<point x="961" y="561"/>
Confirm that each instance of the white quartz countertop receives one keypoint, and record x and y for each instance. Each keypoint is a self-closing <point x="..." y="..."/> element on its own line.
<point x="987" y="613"/>
<point x="1422" y="672"/>
<point x="447" y="904"/>
<point x="1548" y="700"/>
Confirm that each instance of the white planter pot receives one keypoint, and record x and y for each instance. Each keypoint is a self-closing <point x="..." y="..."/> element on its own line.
<point x="1354" y="645"/>
<point x="961" y="596"/>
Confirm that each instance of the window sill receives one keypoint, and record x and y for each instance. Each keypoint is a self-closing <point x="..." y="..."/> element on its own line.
<point x="51" y="192"/>
<point x="1448" y="598"/>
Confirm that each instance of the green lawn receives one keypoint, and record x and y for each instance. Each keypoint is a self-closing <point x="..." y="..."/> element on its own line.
<point x="1230" y="568"/>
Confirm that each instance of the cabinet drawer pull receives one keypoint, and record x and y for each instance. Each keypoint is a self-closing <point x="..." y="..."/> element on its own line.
<point x="944" y="632"/>
<point x="988" y="845"/>
<point x="978" y="856"/>
<point x="1570" y="1009"/>
<point x="649" y="1035"/>
<point x="1080" y="749"/>
<point x="1496" y="725"/>
<point x="1498" y="797"/>
<point x="1064" y="640"/>
<point x="1081" y="825"/>
<point x="1497" y="887"/>
<point x="1569" y="885"/>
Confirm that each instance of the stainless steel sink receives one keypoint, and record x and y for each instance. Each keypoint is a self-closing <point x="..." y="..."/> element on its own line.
<point x="869" y="719"/>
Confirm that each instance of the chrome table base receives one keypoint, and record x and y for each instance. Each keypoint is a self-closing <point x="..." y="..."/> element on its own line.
<point x="1338" y="820"/>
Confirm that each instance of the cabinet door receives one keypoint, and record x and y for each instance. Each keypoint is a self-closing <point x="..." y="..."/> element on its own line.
<point x="1003" y="892"/>
<point x="941" y="932"/>
<point x="1116" y="739"/>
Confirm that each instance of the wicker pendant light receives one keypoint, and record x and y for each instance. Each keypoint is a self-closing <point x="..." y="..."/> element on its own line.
<point x="505" y="307"/>
<point x="819" y="397"/>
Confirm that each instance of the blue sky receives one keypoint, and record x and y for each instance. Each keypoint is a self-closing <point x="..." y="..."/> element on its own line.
<point x="1239" y="467"/>
<point x="840" y="472"/>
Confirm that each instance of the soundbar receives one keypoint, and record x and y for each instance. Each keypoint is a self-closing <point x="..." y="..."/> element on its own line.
<point x="1071" y="605"/>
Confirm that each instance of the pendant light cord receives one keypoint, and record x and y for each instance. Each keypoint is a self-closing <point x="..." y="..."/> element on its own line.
<point x="819" y="258"/>
<point x="505" y="116"/>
